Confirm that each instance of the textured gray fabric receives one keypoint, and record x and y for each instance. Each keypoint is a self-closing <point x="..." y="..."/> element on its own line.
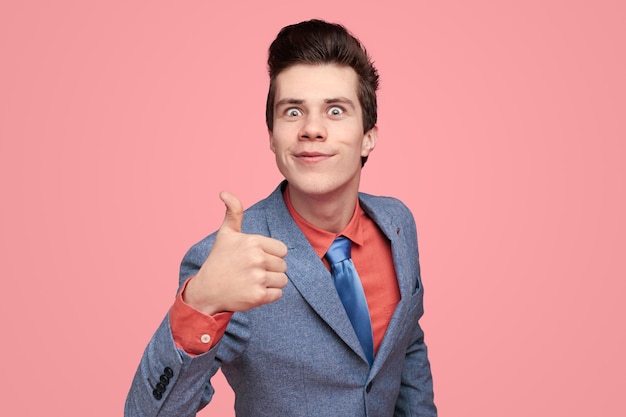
<point x="300" y="355"/>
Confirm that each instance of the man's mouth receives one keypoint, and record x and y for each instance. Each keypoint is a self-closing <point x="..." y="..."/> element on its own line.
<point x="312" y="156"/>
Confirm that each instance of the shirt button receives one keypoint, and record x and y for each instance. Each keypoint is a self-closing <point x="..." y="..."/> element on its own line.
<point x="205" y="338"/>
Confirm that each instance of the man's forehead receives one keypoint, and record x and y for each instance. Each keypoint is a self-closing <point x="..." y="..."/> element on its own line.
<point x="328" y="82"/>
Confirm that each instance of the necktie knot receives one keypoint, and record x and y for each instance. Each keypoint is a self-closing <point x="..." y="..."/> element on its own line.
<point x="339" y="250"/>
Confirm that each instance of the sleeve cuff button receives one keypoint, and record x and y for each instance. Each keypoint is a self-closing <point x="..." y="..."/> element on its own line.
<point x="157" y="395"/>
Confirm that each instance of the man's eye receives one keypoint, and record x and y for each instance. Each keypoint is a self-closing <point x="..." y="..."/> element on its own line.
<point x="335" y="111"/>
<point x="294" y="113"/>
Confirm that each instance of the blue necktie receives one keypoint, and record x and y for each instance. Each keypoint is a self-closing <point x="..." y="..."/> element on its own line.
<point x="351" y="293"/>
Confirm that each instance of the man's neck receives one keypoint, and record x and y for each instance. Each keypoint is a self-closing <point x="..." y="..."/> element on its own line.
<point x="328" y="212"/>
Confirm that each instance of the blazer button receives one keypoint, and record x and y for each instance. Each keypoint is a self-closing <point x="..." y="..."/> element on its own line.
<point x="160" y="387"/>
<point x="164" y="379"/>
<point x="157" y="395"/>
<point x="369" y="387"/>
<point x="168" y="372"/>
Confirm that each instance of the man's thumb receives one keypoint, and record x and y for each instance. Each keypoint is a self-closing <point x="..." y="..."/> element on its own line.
<point x="234" y="212"/>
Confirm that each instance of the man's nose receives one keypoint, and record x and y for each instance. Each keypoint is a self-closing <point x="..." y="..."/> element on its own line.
<point x="313" y="128"/>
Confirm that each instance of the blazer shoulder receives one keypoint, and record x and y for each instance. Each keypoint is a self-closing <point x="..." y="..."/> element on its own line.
<point x="389" y="205"/>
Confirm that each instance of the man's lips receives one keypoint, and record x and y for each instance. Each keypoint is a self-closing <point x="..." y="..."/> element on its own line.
<point x="312" y="156"/>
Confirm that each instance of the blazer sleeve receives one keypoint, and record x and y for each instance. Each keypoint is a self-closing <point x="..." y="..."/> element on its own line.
<point x="168" y="381"/>
<point x="416" y="389"/>
<point x="416" y="398"/>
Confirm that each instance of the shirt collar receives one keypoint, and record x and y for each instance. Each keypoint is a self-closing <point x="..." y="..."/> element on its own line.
<point x="321" y="239"/>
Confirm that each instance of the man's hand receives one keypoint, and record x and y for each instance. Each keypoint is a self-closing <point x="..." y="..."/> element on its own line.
<point x="242" y="271"/>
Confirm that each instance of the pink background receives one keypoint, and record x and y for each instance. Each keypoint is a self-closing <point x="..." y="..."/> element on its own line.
<point x="501" y="126"/>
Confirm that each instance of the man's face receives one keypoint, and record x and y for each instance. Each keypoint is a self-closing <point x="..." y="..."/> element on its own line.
<point x="318" y="136"/>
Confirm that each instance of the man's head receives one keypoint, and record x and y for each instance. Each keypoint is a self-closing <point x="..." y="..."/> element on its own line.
<point x="316" y="42"/>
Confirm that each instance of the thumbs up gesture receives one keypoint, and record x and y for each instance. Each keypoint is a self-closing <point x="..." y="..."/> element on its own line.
<point x="242" y="271"/>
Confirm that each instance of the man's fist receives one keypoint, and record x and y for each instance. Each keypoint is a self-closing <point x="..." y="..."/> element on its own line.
<point x="242" y="271"/>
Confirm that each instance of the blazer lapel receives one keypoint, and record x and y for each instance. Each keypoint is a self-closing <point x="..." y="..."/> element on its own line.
<point x="399" y="251"/>
<point x="307" y="272"/>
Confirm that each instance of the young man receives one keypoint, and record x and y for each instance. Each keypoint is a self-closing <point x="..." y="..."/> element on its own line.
<point x="296" y="329"/>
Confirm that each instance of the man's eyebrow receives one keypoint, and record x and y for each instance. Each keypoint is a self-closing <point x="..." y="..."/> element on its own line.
<point x="286" y="101"/>
<point x="341" y="100"/>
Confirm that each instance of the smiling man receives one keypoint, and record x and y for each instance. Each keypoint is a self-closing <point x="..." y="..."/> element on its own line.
<point x="318" y="139"/>
<point x="310" y="300"/>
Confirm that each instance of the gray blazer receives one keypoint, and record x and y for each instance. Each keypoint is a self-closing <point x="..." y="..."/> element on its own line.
<point x="300" y="356"/>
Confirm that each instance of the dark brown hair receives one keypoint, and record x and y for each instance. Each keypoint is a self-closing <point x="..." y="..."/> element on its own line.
<point x="318" y="42"/>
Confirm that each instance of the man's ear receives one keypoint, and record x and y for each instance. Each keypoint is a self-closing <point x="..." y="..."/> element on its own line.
<point x="271" y="137"/>
<point x="369" y="141"/>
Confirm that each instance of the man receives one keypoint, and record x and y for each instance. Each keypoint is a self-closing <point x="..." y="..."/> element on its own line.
<point x="297" y="330"/>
